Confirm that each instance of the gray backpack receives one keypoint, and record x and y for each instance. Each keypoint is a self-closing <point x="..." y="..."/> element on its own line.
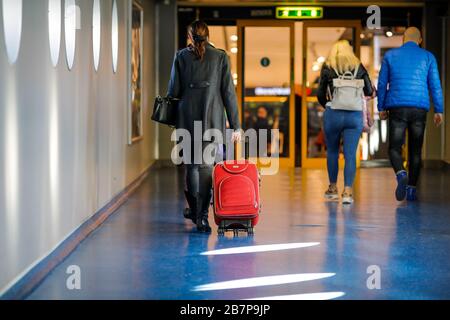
<point x="348" y="92"/>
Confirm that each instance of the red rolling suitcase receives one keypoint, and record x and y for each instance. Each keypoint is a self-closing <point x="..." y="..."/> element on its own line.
<point x="236" y="196"/>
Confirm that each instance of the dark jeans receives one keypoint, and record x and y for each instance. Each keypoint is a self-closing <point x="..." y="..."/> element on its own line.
<point x="413" y="119"/>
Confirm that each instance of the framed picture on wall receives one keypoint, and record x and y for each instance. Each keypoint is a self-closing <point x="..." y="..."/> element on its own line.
<point x="135" y="55"/>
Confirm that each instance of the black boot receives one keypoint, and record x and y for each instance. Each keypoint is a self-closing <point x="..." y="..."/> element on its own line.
<point x="202" y="215"/>
<point x="206" y="203"/>
<point x="190" y="213"/>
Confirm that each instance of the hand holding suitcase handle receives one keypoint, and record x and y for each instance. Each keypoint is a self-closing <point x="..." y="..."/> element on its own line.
<point x="236" y="136"/>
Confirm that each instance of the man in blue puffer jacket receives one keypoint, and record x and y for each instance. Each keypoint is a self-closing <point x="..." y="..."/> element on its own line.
<point x="408" y="75"/>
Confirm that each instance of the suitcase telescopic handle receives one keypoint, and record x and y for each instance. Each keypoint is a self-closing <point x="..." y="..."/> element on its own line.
<point x="246" y="148"/>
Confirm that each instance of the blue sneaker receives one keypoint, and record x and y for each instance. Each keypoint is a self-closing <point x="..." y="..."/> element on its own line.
<point x="411" y="193"/>
<point x="402" y="181"/>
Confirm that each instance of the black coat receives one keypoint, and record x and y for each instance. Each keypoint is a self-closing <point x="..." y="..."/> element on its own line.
<point x="205" y="88"/>
<point x="326" y="81"/>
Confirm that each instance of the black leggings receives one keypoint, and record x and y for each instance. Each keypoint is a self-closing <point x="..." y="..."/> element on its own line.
<point x="199" y="180"/>
<point x="199" y="176"/>
<point x="413" y="119"/>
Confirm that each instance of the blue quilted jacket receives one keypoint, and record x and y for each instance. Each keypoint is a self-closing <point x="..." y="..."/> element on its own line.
<point x="407" y="77"/>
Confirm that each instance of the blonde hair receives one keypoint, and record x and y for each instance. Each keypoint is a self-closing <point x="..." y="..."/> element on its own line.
<point x="342" y="58"/>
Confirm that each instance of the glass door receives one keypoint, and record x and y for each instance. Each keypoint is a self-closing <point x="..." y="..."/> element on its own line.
<point x="319" y="37"/>
<point x="266" y="84"/>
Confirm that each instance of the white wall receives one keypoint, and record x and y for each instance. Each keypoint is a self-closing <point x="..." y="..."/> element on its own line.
<point x="63" y="134"/>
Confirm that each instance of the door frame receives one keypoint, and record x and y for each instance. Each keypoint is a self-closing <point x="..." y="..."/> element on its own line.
<point x="288" y="162"/>
<point x="321" y="163"/>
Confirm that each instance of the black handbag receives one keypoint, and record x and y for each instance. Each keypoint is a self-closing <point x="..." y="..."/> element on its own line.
<point x="165" y="110"/>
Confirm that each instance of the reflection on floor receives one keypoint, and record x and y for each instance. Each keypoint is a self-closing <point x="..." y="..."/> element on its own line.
<point x="324" y="250"/>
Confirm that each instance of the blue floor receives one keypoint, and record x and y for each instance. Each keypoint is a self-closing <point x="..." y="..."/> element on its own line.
<point x="146" y="250"/>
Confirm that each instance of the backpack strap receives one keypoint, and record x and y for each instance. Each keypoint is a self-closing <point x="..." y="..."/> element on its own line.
<point x="353" y="75"/>
<point x="330" y="94"/>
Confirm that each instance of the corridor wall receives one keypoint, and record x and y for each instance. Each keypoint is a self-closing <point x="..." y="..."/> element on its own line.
<point x="64" y="149"/>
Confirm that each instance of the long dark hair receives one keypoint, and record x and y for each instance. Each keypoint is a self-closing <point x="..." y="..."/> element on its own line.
<point x="198" y="32"/>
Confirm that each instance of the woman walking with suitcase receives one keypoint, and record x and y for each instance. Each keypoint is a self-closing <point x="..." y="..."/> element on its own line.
<point x="343" y="84"/>
<point x="201" y="78"/>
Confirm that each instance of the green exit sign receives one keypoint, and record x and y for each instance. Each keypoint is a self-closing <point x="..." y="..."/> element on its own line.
<point x="299" y="13"/>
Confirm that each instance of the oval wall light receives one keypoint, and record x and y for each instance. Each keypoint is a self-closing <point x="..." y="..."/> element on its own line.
<point x="12" y="27"/>
<point x="96" y="32"/>
<point x="70" y="30"/>
<point x="115" y="36"/>
<point x="54" y="29"/>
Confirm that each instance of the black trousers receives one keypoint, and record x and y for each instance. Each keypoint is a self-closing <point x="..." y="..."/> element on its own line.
<point x="413" y="119"/>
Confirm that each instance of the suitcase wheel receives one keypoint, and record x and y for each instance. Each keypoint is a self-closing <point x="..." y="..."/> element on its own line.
<point x="235" y="226"/>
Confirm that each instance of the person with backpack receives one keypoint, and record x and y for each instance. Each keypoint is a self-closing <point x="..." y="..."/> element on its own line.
<point x="408" y="76"/>
<point x="342" y="86"/>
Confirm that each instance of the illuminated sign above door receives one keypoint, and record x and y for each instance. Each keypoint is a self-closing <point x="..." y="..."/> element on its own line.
<point x="299" y="13"/>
